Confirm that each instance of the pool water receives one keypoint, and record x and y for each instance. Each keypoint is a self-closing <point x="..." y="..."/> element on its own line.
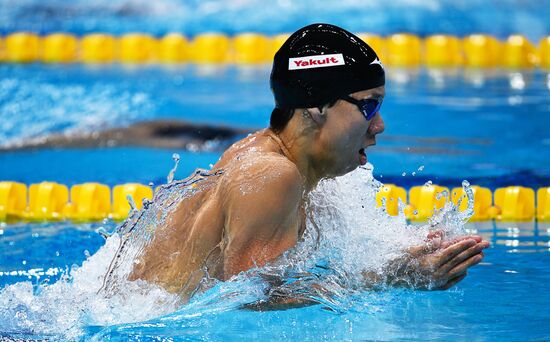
<point x="491" y="134"/>
<point x="503" y="298"/>
<point x="489" y="126"/>
<point x="500" y="18"/>
<point x="482" y="126"/>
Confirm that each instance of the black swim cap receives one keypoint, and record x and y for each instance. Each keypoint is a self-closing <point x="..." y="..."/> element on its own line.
<point x="321" y="62"/>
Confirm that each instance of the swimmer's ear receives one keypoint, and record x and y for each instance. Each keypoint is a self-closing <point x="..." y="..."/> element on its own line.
<point x="318" y="115"/>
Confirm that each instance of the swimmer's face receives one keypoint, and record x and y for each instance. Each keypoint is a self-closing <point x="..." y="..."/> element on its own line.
<point x="346" y="134"/>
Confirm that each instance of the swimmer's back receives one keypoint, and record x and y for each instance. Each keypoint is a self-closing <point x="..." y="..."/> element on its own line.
<point x="198" y="237"/>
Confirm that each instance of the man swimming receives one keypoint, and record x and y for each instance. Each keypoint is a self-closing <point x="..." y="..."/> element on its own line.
<point x="328" y="86"/>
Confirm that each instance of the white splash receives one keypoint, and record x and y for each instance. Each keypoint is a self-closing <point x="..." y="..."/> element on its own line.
<point x="65" y="307"/>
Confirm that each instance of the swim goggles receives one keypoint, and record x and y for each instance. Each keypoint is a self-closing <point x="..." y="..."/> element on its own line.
<point x="369" y="107"/>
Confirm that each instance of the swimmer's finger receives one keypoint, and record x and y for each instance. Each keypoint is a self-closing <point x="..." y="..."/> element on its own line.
<point x="454" y="281"/>
<point x="476" y="238"/>
<point x="465" y="255"/>
<point x="436" y="234"/>
<point x="463" y="267"/>
<point x="425" y="248"/>
<point x="450" y="252"/>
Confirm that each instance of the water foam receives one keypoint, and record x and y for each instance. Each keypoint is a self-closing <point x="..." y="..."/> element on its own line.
<point x="348" y="237"/>
<point x="72" y="302"/>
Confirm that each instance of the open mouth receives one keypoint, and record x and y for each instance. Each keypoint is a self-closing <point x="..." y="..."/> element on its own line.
<point x="362" y="157"/>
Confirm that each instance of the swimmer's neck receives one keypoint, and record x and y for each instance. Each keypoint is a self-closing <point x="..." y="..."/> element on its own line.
<point x="298" y="145"/>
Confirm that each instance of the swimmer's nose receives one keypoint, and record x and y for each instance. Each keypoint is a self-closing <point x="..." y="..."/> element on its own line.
<point x="376" y="125"/>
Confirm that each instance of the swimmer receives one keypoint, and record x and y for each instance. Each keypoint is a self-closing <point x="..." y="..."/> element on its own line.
<point x="328" y="86"/>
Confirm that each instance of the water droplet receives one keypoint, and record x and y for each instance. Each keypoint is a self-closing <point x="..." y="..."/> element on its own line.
<point x="57" y="253"/>
<point x="421" y="168"/>
<point x="131" y="202"/>
<point x="404" y="174"/>
<point x="101" y="231"/>
<point x="428" y="183"/>
<point x="170" y="177"/>
<point x="413" y="174"/>
<point x="24" y="262"/>
<point x="151" y="184"/>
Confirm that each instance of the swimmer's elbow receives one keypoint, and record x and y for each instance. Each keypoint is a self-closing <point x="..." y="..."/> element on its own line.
<point x="275" y="303"/>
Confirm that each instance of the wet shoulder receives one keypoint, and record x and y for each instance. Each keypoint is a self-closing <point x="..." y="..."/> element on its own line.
<point x="262" y="172"/>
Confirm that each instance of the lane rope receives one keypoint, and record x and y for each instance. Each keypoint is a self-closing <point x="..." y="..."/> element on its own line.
<point x="399" y="50"/>
<point x="50" y="201"/>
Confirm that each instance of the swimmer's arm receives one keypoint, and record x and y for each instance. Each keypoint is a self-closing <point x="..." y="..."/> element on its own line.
<point x="274" y="303"/>
<point x="262" y="218"/>
<point x="262" y="224"/>
<point x="280" y="297"/>
<point x="431" y="266"/>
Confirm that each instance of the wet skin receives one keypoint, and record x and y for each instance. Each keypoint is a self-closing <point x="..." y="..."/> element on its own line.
<point x="253" y="212"/>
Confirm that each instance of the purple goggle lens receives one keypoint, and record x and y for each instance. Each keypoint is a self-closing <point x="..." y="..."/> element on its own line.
<point x="369" y="107"/>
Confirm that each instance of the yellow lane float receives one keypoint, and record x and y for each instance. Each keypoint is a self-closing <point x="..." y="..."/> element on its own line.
<point x="519" y="53"/>
<point x="136" y="48"/>
<point x="47" y="201"/>
<point x="544" y="52"/>
<point x="22" y="47"/>
<point x="210" y="48"/>
<point x="482" y="51"/>
<point x="403" y="50"/>
<point x="377" y="43"/>
<point x="173" y="48"/>
<point x="13" y="200"/>
<point x="89" y="201"/>
<point x="515" y="203"/>
<point x="442" y="51"/>
<point x="97" y="48"/>
<point x="391" y="194"/>
<point x="543" y="204"/>
<point x="138" y="192"/>
<point x="424" y="200"/>
<point x="59" y="48"/>
<point x="483" y="200"/>
<point x="251" y="48"/>
<point x="2" y="50"/>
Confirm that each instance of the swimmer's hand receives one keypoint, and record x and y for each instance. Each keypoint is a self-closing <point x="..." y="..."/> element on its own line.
<point x="438" y="264"/>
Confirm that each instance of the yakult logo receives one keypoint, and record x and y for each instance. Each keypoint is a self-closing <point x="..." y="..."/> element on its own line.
<point x="319" y="61"/>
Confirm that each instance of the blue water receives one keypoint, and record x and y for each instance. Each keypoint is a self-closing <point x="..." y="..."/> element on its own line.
<point x="504" y="298"/>
<point x="490" y="128"/>
<point x="493" y="135"/>
<point x="447" y="126"/>
<point x="194" y="16"/>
